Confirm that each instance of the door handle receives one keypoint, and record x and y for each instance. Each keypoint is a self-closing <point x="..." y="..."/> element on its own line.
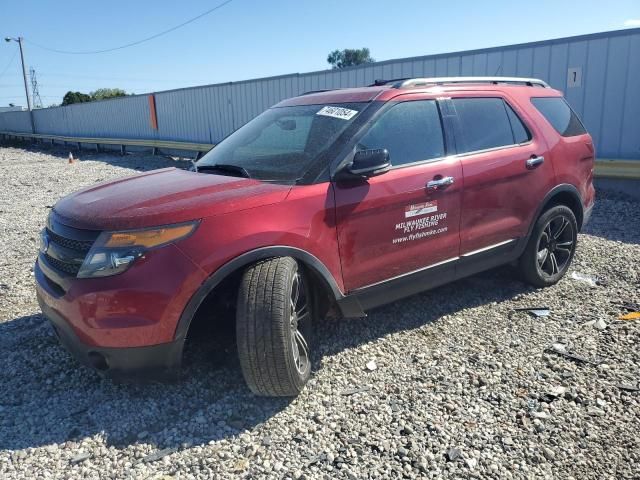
<point x="534" y="162"/>
<point x="440" y="183"/>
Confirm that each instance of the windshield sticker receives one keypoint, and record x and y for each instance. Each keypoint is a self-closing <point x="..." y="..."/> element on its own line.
<point x="337" y="112"/>
<point x="420" y="209"/>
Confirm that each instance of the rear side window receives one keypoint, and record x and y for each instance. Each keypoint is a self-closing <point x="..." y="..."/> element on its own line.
<point x="410" y="131"/>
<point x="487" y="123"/>
<point x="559" y="114"/>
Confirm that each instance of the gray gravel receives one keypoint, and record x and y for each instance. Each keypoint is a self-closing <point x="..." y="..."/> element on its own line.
<point x="462" y="384"/>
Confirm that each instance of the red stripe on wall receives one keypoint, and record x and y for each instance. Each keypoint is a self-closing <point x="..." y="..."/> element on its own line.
<point x="152" y="111"/>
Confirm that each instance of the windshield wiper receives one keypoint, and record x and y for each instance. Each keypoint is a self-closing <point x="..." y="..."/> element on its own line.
<point x="225" y="169"/>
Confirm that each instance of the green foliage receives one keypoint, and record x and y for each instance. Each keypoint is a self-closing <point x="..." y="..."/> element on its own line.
<point x="103" y="93"/>
<point x="349" y="57"/>
<point x="75" y="97"/>
<point x="99" y="94"/>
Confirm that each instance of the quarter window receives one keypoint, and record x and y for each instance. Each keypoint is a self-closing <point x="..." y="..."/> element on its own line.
<point x="410" y="131"/>
<point x="520" y="132"/>
<point x="559" y="114"/>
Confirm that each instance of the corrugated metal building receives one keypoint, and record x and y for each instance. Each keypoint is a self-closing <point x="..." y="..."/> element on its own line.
<point x="599" y="73"/>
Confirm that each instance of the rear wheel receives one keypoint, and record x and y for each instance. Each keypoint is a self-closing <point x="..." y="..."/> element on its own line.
<point x="551" y="247"/>
<point x="273" y="326"/>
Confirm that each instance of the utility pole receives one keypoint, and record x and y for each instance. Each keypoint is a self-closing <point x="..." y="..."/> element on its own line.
<point x="24" y="77"/>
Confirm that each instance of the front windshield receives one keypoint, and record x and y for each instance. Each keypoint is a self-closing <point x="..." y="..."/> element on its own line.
<point x="282" y="143"/>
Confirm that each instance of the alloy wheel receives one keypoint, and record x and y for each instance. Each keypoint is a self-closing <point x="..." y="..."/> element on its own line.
<point x="300" y="316"/>
<point x="555" y="246"/>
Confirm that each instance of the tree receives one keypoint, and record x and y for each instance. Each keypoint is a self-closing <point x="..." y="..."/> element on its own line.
<point x="75" y="97"/>
<point x="349" y="57"/>
<point x="99" y="94"/>
<point x="102" y="93"/>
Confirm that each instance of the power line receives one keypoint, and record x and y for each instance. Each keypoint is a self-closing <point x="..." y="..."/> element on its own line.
<point x="138" y="42"/>
<point x="9" y="64"/>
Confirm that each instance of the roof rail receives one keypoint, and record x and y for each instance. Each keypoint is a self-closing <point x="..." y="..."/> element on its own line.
<point x="316" y="91"/>
<point x="419" y="82"/>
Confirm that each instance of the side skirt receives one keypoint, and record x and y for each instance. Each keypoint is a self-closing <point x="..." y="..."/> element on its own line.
<point x="358" y="301"/>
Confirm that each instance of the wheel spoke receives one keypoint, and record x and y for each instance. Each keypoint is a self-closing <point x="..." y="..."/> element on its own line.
<point x="566" y="251"/>
<point x="554" y="264"/>
<point x="302" y="343"/>
<point x="562" y="228"/>
<point x="568" y="243"/>
<point x="542" y="257"/>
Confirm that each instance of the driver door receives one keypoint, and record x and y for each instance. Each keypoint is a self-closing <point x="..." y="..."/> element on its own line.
<point x="402" y="222"/>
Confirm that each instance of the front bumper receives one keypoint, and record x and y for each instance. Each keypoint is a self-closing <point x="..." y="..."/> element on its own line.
<point x="150" y="363"/>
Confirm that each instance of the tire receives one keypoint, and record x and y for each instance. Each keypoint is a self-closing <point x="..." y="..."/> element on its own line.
<point x="273" y="327"/>
<point x="551" y="247"/>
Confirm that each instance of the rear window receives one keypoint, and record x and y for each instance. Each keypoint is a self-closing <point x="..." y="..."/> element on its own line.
<point x="487" y="123"/>
<point x="559" y="114"/>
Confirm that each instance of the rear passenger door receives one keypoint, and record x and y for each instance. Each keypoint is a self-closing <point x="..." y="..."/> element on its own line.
<point x="506" y="174"/>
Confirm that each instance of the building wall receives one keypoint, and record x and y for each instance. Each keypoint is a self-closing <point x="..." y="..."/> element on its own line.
<point x="599" y="74"/>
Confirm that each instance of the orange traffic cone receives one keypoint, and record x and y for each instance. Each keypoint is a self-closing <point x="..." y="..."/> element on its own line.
<point x="71" y="159"/>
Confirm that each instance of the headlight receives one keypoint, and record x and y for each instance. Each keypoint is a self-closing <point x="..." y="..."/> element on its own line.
<point x="114" y="252"/>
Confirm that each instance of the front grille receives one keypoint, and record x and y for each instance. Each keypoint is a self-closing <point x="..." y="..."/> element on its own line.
<point x="70" y="243"/>
<point x="67" y="247"/>
<point x="70" y="268"/>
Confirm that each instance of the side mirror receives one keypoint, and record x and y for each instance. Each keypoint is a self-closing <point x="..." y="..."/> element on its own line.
<point x="369" y="163"/>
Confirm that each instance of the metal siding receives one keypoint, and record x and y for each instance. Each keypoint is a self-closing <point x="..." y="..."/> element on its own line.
<point x="577" y="58"/>
<point x="593" y="80"/>
<point x="453" y="66"/>
<point x="541" y="62"/>
<point x="467" y="66"/>
<point x="608" y="99"/>
<point x="558" y="67"/>
<point x="524" y="62"/>
<point x="509" y="61"/>
<point x="614" y="95"/>
<point x="630" y="131"/>
<point x="494" y="63"/>
<point x="480" y="64"/>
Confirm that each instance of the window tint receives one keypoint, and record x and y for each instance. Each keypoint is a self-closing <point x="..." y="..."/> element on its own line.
<point x="411" y="131"/>
<point x="557" y="111"/>
<point x="484" y="123"/>
<point x="520" y="132"/>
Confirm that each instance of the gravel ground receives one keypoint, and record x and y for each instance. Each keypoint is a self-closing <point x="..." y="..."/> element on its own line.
<point x="460" y="385"/>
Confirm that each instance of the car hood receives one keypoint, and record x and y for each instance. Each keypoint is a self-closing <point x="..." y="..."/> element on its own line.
<point x="161" y="197"/>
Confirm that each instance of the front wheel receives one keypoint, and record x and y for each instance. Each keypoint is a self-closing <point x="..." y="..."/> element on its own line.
<point x="551" y="247"/>
<point x="273" y="327"/>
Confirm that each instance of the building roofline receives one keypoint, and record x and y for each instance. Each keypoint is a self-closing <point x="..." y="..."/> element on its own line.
<point x="517" y="46"/>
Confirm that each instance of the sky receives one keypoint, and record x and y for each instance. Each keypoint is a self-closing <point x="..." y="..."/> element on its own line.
<point x="249" y="38"/>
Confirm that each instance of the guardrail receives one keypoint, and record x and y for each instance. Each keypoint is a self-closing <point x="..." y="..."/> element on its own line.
<point x="605" y="168"/>
<point x="122" y="142"/>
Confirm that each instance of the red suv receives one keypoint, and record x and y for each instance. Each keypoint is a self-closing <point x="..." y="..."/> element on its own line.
<point x="353" y="198"/>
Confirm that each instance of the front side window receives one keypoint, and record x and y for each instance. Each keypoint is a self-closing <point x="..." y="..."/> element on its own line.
<point x="410" y="131"/>
<point x="484" y="124"/>
<point x="559" y="114"/>
<point x="282" y="143"/>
